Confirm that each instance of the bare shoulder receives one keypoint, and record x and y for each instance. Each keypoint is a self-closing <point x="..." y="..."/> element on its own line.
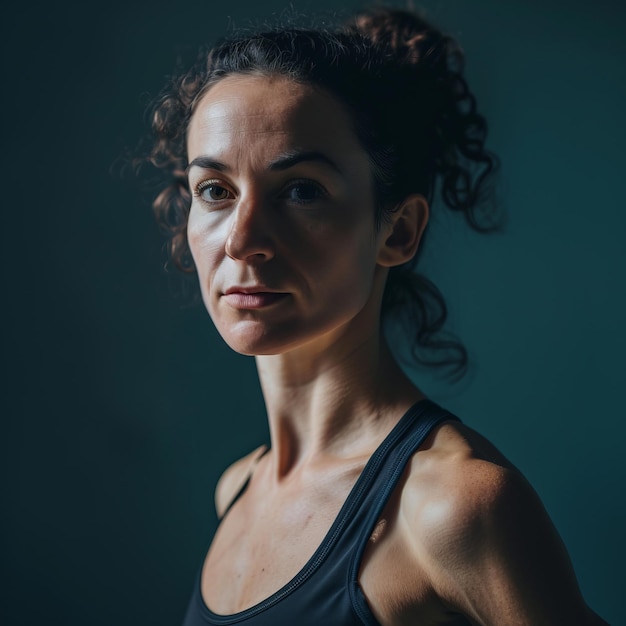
<point x="233" y="478"/>
<point x="481" y="533"/>
<point x="459" y="467"/>
<point x="456" y="481"/>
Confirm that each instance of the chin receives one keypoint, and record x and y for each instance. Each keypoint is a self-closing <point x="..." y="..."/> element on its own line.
<point x="256" y="348"/>
<point x="272" y="334"/>
<point x="253" y="339"/>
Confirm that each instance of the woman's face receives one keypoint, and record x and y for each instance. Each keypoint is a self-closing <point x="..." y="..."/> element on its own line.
<point x="281" y="226"/>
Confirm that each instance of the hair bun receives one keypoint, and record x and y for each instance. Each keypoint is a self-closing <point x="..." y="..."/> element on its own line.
<point x="409" y="38"/>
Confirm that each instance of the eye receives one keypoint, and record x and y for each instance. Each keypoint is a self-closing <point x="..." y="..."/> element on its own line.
<point x="212" y="191"/>
<point x="303" y="192"/>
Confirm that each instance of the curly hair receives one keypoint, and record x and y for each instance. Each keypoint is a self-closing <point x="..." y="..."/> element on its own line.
<point x="402" y="81"/>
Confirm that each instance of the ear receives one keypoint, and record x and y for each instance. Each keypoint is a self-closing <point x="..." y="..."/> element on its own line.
<point x="402" y="231"/>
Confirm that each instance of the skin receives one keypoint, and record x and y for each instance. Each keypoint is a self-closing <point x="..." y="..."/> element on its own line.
<point x="463" y="532"/>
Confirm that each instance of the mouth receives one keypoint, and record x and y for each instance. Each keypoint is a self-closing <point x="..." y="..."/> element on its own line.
<point x="252" y="297"/>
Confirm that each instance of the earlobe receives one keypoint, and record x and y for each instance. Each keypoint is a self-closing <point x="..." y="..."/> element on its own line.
<point x="404" y="231"/>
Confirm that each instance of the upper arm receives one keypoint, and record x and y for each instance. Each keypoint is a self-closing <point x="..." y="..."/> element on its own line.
<point x="232" y="479"/>
<point x="493" y="553"/>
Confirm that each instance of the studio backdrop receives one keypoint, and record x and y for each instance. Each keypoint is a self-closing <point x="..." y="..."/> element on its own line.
<point x="121" y="404"/>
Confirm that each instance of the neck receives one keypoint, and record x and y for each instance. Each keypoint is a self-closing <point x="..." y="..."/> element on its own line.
<point x="336" y="401"/>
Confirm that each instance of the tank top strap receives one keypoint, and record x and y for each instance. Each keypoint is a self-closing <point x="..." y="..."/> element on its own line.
<point x="422" y="419"/>
<point x="264" y="449"/>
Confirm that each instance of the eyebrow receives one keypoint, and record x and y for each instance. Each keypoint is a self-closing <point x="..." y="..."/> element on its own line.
<point x="281" y="163"/>
<point x="206" y="163"/>
<point x="289" y="159"/>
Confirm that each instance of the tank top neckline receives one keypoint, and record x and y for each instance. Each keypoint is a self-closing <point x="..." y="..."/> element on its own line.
<point x="351" y="504"/>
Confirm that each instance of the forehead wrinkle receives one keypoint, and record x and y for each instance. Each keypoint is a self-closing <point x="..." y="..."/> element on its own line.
<point x="238" y="155"/>
<point x="249" y="107"/>
<point x="219" y="135"/>
<point x="270" y="121"/>
<point x="283" y="116"/>
<point x="227" y="136"/>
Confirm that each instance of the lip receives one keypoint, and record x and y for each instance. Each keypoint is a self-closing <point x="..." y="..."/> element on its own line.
<point x="251" y="289"/>
<point x="253" y="297"/>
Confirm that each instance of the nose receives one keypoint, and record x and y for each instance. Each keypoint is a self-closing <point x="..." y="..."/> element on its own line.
<point x="250" y="235"/>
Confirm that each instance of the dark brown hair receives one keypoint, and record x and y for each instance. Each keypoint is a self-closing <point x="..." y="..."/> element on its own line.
<point x="402" y="80"/>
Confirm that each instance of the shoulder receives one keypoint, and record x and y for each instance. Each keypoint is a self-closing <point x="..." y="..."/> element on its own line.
<point x="483" y="537"/>
<point x="456" y="483"/>
<point x="460" y="469"/>
<point x="233" y="478"/>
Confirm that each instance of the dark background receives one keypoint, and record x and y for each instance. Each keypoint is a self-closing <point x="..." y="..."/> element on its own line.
<point x="121" y="407"/>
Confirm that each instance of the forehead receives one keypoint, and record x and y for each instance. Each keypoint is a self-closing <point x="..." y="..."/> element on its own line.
<point x="274" y="112"/>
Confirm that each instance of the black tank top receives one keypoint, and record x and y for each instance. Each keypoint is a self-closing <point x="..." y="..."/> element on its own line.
<point x="326" y="591"/>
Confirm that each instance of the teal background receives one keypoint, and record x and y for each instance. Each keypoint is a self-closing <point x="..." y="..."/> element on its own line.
<point x="121" y="406"/>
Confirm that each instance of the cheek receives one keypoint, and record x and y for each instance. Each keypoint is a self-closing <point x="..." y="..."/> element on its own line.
<point x="202" y="238"/>
<point x="344" y="263"/>
<point x="206" y="249"/>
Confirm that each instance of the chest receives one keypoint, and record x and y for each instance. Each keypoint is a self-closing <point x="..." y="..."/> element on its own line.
<point x="265" y="542"/>
<point x="267" y="537"/>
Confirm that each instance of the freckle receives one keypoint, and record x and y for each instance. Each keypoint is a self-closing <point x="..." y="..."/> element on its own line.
<point x="378" y="531"/>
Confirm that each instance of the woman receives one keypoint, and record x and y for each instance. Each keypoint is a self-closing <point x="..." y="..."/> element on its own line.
<point x="304" y="165"/>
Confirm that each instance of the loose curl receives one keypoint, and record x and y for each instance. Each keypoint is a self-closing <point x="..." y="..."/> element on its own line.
<point x="402" y="81"/>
